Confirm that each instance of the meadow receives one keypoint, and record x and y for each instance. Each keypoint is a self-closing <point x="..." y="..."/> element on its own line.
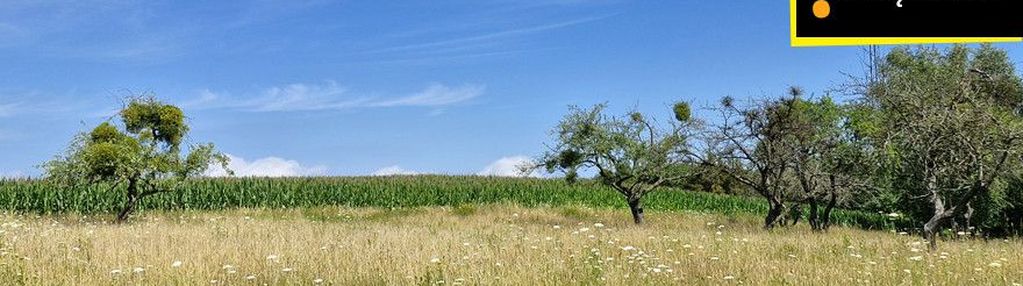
<point x="477" y="245"/>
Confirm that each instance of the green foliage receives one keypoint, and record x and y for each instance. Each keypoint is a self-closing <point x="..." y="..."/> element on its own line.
<point x="156" y="121"/>
<point x="945" y="128"/>
<point x="682" y="112"/>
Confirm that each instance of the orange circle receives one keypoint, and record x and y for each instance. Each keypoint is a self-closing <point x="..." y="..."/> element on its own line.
<point x="821" y="9"/>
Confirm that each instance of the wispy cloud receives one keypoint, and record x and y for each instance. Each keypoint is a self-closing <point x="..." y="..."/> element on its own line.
<point x="331" y="96"/>
<point x="304" y="97"/>
<point x="434" y="95"/>
<point x="480" y="40"/>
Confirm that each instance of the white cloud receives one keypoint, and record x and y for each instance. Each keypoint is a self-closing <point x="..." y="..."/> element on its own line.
<point x="266" y="167"/>
<point x="508" y="167"/>
<point x="331" y="96"/>
<point x="393" y="170"/>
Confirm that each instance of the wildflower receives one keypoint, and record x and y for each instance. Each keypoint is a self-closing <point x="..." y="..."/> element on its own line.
<point x="598" y="225"/>
<point x="176" y="264"/>
<point x="628" y="248"/>
<point x="893" y="215"/>
<point x="916" y="258"/>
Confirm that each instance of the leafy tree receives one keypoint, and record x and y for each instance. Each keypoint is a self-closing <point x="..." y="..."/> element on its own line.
<point x="827" y="163"/>
<point x="145" y="156"/>
<point x="631" y="154"/>
<point x="948" y="125"/>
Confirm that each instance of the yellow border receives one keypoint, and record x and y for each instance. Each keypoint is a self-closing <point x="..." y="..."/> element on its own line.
<point x="816" y="42"/>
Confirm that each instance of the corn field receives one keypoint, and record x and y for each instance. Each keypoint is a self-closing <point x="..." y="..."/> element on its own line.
<point x="39" y="197"/>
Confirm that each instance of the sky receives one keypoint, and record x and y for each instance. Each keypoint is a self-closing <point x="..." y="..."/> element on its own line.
<point x="302" y="88"/>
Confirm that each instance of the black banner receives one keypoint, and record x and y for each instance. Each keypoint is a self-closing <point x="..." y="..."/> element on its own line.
<point x="915" y="18"/>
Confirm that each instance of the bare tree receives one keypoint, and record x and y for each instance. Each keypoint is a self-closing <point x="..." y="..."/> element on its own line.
<point x="749" y="145"/>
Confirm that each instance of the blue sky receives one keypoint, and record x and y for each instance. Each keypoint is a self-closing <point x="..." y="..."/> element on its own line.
<point x="363" y="87"/>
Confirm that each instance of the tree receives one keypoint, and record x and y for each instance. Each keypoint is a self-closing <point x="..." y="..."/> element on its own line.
<point x="827" y="163"/>
<point x="749" y="144"/>
<point x="145" y="156"/>
<point x="949" y="124"/>
<point x="631" y="154"/>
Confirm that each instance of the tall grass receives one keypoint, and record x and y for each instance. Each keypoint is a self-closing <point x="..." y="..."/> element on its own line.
<point x="32" y="196"/>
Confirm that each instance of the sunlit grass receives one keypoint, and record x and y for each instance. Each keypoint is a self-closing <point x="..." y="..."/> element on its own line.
<point x="488" y="244"/>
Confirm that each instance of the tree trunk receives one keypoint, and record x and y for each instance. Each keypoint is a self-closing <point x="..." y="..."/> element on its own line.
<point x="775" y="212"/>
<point x="932" y="226"/>
<point x="129" y="206"/>
<point x="814" y="218"/>
<point x="636" y="206"/>
<point x="825" y="217"/>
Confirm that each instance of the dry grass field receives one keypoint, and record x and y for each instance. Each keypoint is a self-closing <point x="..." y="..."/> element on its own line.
<point x="490" y="245"/>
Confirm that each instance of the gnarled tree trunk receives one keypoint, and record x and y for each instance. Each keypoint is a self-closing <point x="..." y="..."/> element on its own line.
<point x="636" y="206"/>
<point x="941" y="215"/>
<point x="133" y="199"/>
<point x="777" y="208"/>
